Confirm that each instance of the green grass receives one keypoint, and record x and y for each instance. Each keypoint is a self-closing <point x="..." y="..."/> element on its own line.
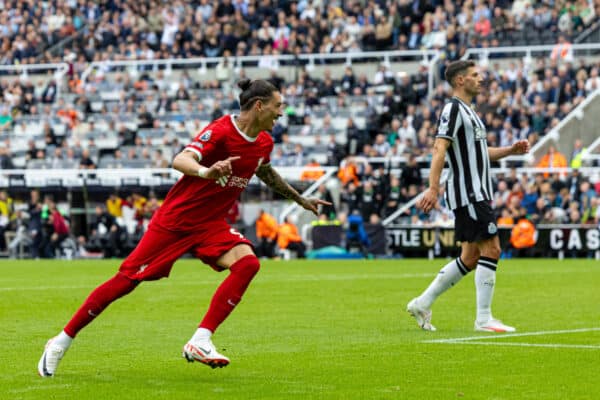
<point x="306" y="330"/>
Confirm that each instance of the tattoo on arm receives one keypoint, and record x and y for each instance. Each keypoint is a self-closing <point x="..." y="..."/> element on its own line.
<point x="273" y="180"/>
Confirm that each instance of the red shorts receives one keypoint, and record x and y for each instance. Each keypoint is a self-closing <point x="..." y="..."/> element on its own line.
<point x="159" y="248"/>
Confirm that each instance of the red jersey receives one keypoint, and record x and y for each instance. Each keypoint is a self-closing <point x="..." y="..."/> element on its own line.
<point x="194" y="201"/>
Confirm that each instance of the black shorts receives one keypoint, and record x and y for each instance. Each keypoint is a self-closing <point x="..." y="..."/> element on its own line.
<point x="475" y="222"/>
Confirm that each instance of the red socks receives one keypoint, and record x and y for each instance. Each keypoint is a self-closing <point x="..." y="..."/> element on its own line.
<point x="230" y="292"/>
<point x="227" y="296"/>
<point x="116" y="287"/>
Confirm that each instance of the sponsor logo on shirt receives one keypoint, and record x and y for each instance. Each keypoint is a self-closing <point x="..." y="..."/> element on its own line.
<point x="480" y="134"/>
<point x="236" y="181"/>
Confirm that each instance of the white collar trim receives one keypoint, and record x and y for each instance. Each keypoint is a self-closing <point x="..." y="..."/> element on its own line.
<point x="242" y="134"/>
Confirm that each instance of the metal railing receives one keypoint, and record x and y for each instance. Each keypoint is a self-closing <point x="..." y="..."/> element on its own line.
<point x="24" y="70"/>
<point x="589" y="35"/>
<point x="309" y="61"/>
<point x="590" y="151"/>
<point x="112" y="177"/>
<point x="527" y="51"/>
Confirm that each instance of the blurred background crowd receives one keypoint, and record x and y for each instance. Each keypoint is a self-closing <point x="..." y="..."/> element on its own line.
<point x="375" y="128"/>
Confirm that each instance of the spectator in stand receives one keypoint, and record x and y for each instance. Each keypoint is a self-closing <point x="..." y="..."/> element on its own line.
<point x="86" y="161"/>
<point x="35" y="227"/>
<point x="6" y="214"/>
<point x="410" y="175"/>
<point x="266" y="232"/>
<point x="5" y="159"/>
<point x="552" y="159"/>
<point x="57" y="231"/>
<point x="562" y="50"/>
<point x="393" y="196"/>
<point x="288" y="238"/>
<point x="369" y="201"/>
<point x="348" y="171"/>
<point x="501" y="194"/>
<point x="505" y="219"/>
<point x="106" y="234"/>
<point x="523" y="238"/>
<point x="407" y="131"/>
<point x="324" y="194"/>
<point x="114" y="205"/>
<point x="591" y="212"/>
<point x="540" y="210"/>
<point x="159" y="160"/>
<point x="356" y="235"/>
<point x="577" y="154"/>
<point x="138" y="201"/>
<point x="312" y="171"/>
<point x="530" y="198"/>
<point x="587" y="193"/>
<point x="334" y="151"/>
<point x="483" y="27"/>
<point x="381" y="145"/>
<point x="298" y="155"/>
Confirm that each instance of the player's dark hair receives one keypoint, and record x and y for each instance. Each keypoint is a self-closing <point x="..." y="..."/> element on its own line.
<point x="255" y="90"/>
<point x="457" y="68"/>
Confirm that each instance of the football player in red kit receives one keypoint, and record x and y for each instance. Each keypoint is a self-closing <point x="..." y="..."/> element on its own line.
<point x="217" y="166"/>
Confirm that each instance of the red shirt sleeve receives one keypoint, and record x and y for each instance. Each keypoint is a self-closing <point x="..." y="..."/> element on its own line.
<point x="205" y="142"/>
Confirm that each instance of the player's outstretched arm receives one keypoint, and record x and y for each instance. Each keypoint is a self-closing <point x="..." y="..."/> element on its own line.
<point x="187" y="163"/>
<point x="520" y="147"/>
<point x="272" y="179"/>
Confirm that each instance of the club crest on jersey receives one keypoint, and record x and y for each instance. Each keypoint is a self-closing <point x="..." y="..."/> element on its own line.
<point x="492" y="228"/>
<point x="206" y="136"/>
<point x="480" y="134"/>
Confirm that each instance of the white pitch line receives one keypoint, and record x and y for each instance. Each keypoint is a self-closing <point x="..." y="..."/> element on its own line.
<point x="502" y="336"/>
<point x="41" y="288"/>
<point x="549" y="345"/>
<point x="32" y="388"/>
<point x="312" y="278"/>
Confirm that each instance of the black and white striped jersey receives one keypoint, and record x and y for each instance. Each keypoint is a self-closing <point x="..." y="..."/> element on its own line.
<point x="469" y="180"/>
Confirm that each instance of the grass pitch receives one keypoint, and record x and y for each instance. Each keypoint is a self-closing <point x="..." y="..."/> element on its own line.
<point x="307" y="330"/>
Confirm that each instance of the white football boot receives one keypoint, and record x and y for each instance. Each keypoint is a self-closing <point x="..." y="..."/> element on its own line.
<point x="493" y="325"/>
<point x="205" y="352"/>
<point x="422" y="315"/>
<point x="53" y="353"/>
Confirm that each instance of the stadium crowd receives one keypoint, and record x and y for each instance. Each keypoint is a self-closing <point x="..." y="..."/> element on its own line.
<point x="333" y="117"/>
<point x="40" y="228"/>
<point x="150" y="29"/>
<point x="371" y="195"/>
<point x="141" y="118"/>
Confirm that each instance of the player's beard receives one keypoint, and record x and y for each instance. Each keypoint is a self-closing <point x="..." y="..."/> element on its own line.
<point x="476" y="90"/>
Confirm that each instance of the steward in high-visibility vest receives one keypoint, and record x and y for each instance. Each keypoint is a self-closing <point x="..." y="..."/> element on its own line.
<point x="523" y="234"/>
